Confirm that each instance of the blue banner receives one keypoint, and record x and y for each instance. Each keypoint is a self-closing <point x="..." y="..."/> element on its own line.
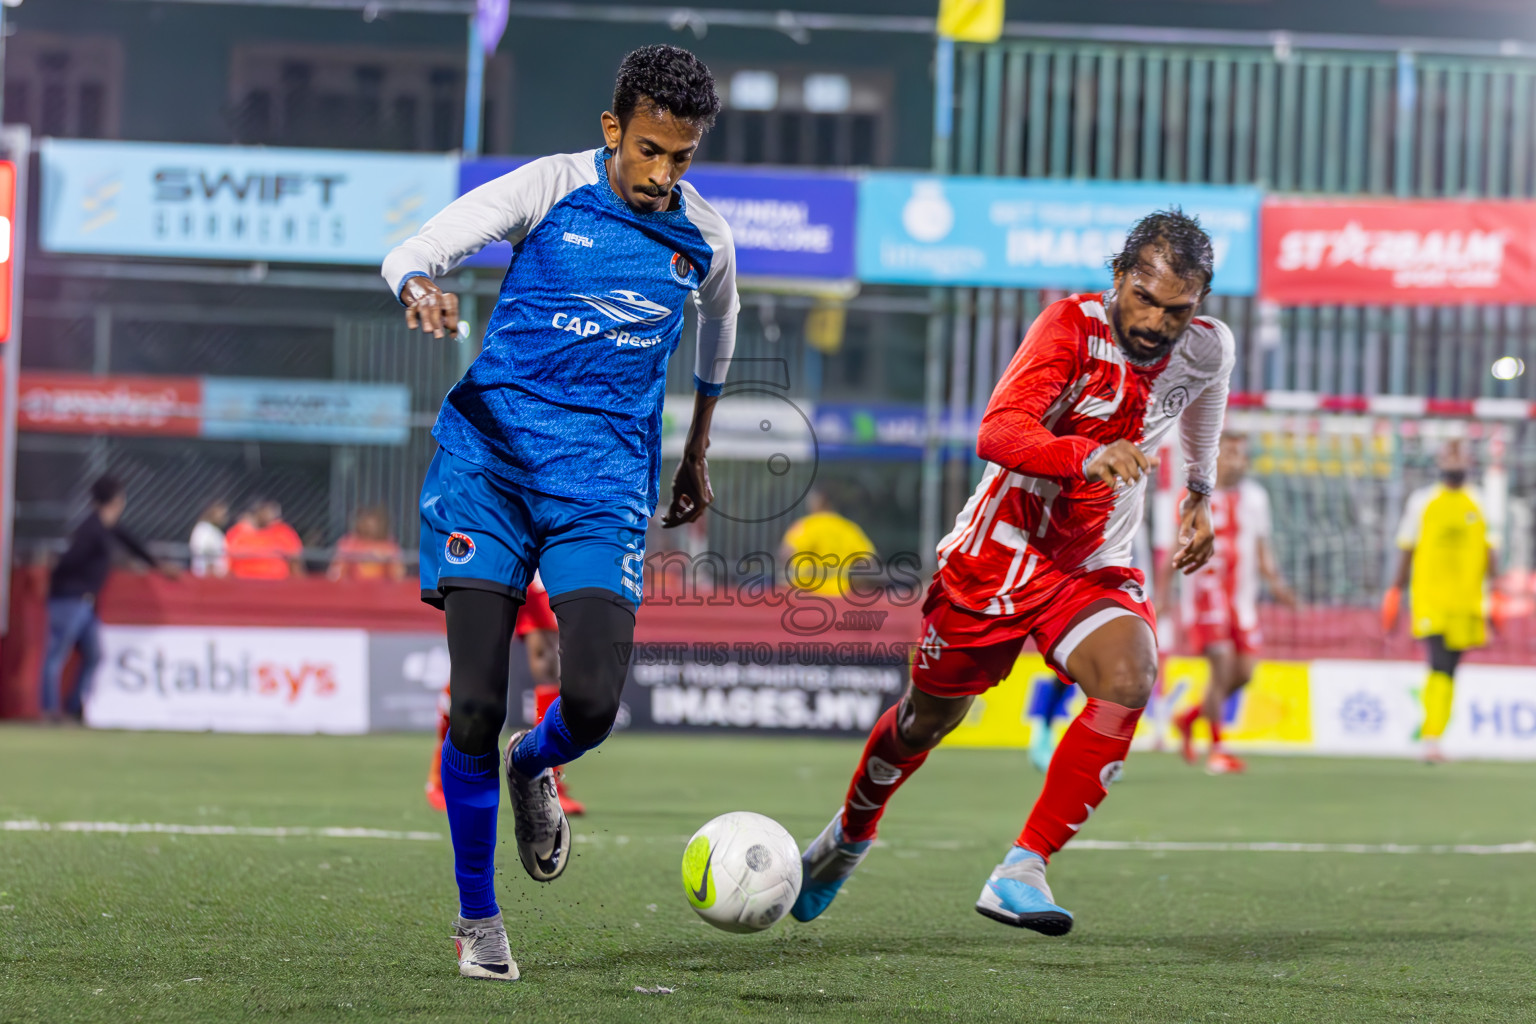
<point x="788" y="224"/>
<point x="235" y="202"/>
<point x="1029" y="233"/>
<point x="312" y="411"/>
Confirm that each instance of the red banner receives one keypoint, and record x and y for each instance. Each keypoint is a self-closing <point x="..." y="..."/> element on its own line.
<point x="1421" y="252"/>
<point x="7" y="233"/>
<point x="79" y="403"/>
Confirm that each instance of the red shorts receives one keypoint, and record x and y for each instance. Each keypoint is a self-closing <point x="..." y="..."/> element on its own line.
<point x="963" y="653"/>
<point x="535" y="613"/>
<point x="1200" y="636"/>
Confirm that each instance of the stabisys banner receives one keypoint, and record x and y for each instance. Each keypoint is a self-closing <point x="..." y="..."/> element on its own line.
<point x="1423" y="252"/>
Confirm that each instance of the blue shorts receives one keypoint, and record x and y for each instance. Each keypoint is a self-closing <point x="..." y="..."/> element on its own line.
<point x="482" y="532"/>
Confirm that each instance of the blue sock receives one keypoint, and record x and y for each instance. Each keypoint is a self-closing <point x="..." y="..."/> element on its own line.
<point x="472" y="790"/>
<point x="547" y="745"/>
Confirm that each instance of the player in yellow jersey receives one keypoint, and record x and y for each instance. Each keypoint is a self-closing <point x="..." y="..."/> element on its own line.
<point x="823" y="547"/>
<point x="1448" y="552"/>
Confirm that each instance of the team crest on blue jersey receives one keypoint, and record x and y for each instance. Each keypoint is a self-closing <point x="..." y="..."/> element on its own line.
<point x="459" y="549"/>
<point x="684" y="272"/>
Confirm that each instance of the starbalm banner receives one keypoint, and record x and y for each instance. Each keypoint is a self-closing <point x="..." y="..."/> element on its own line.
<point x="1423" y="252"/>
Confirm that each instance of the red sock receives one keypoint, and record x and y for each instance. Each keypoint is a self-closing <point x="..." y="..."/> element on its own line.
<point x="435" y="764"/>
<point x="1215" y="724"/>
<point x="544" y="694"/>
<point x="1185" y="720"/>
<point x="1087" y="760"/>
<point x="885" y="764"/>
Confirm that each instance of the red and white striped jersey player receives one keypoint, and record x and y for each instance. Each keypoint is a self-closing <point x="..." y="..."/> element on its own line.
<point x="1219" y="605"/>
<point x="1042" y="550"/>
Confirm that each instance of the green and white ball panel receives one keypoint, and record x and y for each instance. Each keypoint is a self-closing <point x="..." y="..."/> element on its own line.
<point x="741" y="872"/>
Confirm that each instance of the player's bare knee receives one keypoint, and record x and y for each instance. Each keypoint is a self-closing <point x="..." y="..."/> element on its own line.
<point x="1124" y="678"/>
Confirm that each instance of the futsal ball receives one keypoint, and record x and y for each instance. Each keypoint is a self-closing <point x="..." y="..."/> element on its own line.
<point x="741" y="872"/>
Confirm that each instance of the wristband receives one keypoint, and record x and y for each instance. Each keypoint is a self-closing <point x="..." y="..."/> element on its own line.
<point x="1200" y="487"/>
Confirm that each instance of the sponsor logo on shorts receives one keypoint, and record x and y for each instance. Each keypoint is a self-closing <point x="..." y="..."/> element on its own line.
<point x="931" y="647"/>
<point x="633" y="566"/>
<point x="1134" y="589"/>
<point x="882" y="772"/>
<point x="459" y="549"/>
<point x="1110" y="773"/>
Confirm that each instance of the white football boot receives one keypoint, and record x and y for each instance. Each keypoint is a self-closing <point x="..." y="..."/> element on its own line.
<point x="483" y="950"/>
<point x="543" y="834"/>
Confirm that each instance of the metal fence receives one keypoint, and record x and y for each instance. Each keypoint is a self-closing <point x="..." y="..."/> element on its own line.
<point x="1342" y="122"/>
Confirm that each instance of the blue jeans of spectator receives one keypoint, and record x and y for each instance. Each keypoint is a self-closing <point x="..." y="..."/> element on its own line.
<point x="72" y="625"/>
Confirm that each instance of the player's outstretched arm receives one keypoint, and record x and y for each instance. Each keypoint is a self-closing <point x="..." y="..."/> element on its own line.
<point x="505" y="208"/>
<point x="1011" y="433"/>
<point x="691" y="493"/>
<point x="718" y="305"/>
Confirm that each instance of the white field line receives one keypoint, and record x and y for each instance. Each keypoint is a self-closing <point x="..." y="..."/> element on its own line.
<point x="1110" y="845"/>
<point x="1172" y="847"/>
<point x="161" y="828"/>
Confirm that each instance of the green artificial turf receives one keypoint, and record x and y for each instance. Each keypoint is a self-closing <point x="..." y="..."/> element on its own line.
<point x="211" y="928"/>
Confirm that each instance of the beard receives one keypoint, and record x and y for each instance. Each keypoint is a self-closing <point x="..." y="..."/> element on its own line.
<point x="1162" y="343"/>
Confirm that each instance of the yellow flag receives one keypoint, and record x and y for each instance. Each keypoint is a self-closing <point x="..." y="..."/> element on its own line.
<point x="971" y="21"/>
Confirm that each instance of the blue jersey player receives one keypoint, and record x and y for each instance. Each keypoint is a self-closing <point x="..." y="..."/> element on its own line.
<point x="550" y="446"/>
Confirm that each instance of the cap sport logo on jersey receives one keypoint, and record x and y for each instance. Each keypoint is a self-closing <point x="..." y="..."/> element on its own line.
<point x="621" y="306"/>
<point x="684" y="272"/>
<point x="627" y="307"/>
<point x="459" y="549"/>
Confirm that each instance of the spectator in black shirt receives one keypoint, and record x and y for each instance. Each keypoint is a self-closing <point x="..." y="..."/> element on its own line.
<point x="72" y="590"/>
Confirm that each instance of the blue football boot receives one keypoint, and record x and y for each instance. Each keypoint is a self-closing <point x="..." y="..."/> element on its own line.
<point x="825" y="866"/>
<point x="1016" y="894"/>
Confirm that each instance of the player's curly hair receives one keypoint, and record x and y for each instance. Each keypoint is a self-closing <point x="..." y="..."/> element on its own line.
<point x="670" y="78"/>
<point x="1175" y="236"/>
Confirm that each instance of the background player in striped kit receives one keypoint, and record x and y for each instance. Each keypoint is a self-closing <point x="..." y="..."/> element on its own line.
<point x="1219" y="604"/>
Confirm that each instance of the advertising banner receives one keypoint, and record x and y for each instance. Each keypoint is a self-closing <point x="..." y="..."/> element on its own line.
<point x="686" y="687"/>
<point x="406" y="676"/>
<point x="316" y="411"/>
<point x="1424" y="252"/>
<point x="1334" y="707"/>
<point x="235" y="202"/>
<point x="229" y="679"/>
<point x="1376" y="708"/>
<point x="226" y="408"/>
<point x="78" y="403"/>
<point x="1028" y="233"/>
<point x="787" y="224"/>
